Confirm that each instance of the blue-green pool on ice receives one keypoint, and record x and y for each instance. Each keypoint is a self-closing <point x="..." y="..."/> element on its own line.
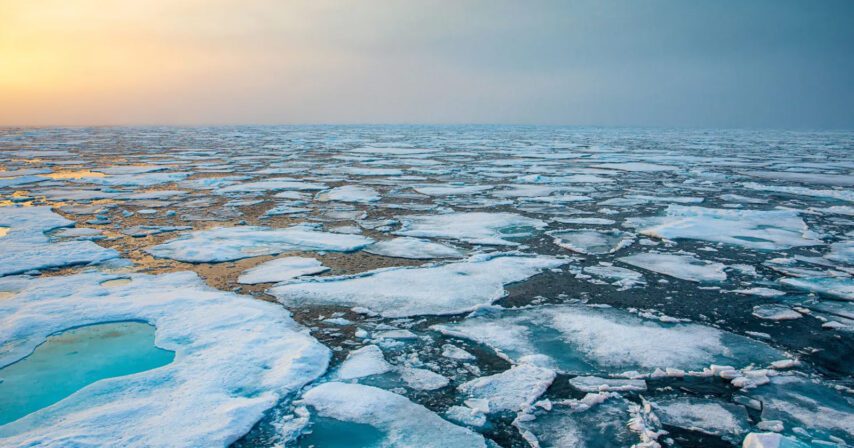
<point x="68" y="361"/>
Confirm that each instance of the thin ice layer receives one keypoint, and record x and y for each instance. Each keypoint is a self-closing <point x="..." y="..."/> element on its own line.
<point x="232" y="375"/>
<point x="234" y="243"/>
<point x="754" y="229"/>
<point x="408" y="291"/>
<point x="400" y="421"/>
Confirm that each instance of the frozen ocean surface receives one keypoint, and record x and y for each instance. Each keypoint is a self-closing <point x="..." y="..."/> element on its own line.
<point x="394" y="286"/>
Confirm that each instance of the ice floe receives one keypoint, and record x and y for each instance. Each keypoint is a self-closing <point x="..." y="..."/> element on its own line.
<point x="438" y="289"/>
<point x="726" y="420"/>
<point x="230" y="376"/>
<point x="592" y="242"/>
<point x="585" y="340"/>
<point x="234" y="243"/>
<point x="399" y="422"/>
<point x="413" y="248"/>
<point x="472" y="227"/>
<point x="281" y="269"/>
<point x="25" y="246"/>
<point x="682" y="266"/>
<point x="350" y="193"/>
<point x="754" y="229"/>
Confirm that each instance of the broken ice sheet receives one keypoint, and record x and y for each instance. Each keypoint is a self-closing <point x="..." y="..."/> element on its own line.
<point x="349" y="193"/>
<point x="819" y="410"/>
<point x="281" y="269"/>
<point x="726" y="420"/>
<point x="377" y="418"/>
<point x="620" y="277"/>
<point x="412" y="248"/>
<point x="234" y="243"/>
<point x="580" y="339"/>
<point x="754" y="229"/>
<point x="473" y="227"/>
<point x="600" y="424"/>
<point x="682" y="266"/>
<point x="591" y="242"/>
<point x="232" y="375"/>
<point x="24" y="245"/>
<point x="434" y="289"/>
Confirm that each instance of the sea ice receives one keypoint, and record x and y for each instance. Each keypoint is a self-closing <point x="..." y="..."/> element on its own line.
<point x="585" y="340"/>
<point x="472" y="227"/>
<point x="408" y="291"/>
<point x="451" y="190"/>
<point x="234" y="243"/>
<point x="836" y="287"/>
<point x="413" y="248"/>
<point x="642" y="167"/>
<point x="515" y="389"/>
<point x="281" y="269"/>
<point x="363" y="362"/>
<point x="400" y="421"/>
<point x="800" y="402"/>
<point x="232" y="375"/>
<point x="685" y="267"/>
<point x="591" y="242"/>
<point x="726" y="420"/>
<point x="349" y="193"/>
<point x="25" y="247"/>
<point x="577" y="424"/>
<point x="775" y="312"/>
<point x="754" y="229"/>
<point x="273" y="184"/>
<point x="620" y="277"/>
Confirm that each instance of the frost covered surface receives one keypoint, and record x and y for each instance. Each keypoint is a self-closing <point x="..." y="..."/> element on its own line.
<point x="233" y="376"/>
<point x="397" y="292"/>
<point x="234" y="243"/>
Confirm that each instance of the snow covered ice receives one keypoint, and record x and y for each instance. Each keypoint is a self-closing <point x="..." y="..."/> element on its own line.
<point x="347" y="286"/>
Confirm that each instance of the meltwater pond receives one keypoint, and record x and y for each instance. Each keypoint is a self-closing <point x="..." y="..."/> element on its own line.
<point x="69" y="361"/>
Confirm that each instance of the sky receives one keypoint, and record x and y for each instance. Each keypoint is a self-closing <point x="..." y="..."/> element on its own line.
<point x="658" y="63"/>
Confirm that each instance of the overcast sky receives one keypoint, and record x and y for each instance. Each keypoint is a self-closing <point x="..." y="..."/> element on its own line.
<point x="720" y="63"/>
